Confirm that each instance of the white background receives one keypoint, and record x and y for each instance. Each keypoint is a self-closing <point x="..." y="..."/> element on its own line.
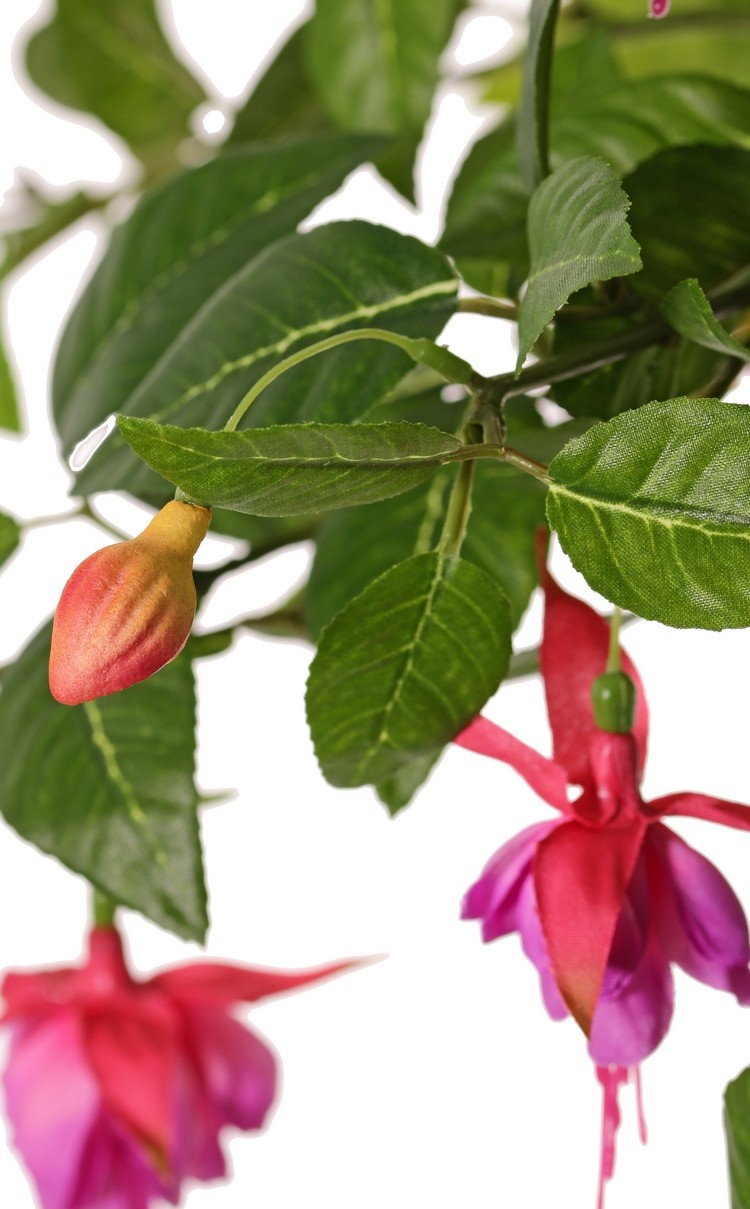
<point x="433" y="1078"/>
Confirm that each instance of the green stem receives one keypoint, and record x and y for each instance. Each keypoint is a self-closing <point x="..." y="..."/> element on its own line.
<point x="458" y="511"/>
<point x="104" y="909"/>
<point x="613" y="656"/>
<point x="492" y="307"/>
<point x="422" y="351"/>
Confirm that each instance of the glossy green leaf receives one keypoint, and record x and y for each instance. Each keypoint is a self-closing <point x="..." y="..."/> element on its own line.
<point x="737" y="1129"/>
<point x="709" y="239"/>
<point x="291" y="468"/>
<point x="405" y="666"/>
<point x="653" y="507"/>
<point x="10" y="418"/>
<point x="181" y="244"/>
<point x="375" y="65"/>
<point x="107" y="787"/>
<point x="10" y="536"/>
<point x="578" y="233"/>
<point x="304" y="288"/>
<point x="283" y="101"/>
<point x="689" y="312"/>
<point x="112" y="60"/>
<point x="533" y="106"/>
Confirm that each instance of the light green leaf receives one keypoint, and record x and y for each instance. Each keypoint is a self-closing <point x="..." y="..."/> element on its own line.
<point x="113" y="60"/>
<point x="375" y="64"/>
<point x="332" y="279"/>
<point x="709" y="239"/>
<point x="292" y="468"/>
<point x="10" y="418"/>
<point x="578" y="233"/>
<point x="737" y="1129"/>
<point x="653" y="507"/>
<point x="181" y="244"/>
<point x="107" y="787"/>
<point x="533" y="106"/>
<point x="405" y="666"/>
<point x="689" y="312"/>
<point x="10" y="536"/>
<point x="718" y="47"/>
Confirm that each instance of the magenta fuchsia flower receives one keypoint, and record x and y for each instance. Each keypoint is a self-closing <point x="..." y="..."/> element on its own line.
<point x="658" y="8"/>
<point x="605" y="897"/>
<point x="117" y="1089"/>
<point x="128" y="609"/>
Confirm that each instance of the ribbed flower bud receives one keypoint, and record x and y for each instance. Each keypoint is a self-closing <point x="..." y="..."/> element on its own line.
<point x="128" y="609"/>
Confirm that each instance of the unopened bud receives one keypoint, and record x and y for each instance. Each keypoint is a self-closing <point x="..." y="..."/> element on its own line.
<point x="128" y="609"/>
<point x="613" y="700"/>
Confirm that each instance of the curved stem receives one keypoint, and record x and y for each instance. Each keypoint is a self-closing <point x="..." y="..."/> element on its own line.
<point x="613" y="655"/>
<point x="422" y="351"/>
<point x="492" y="307"/>
<point x="459" y="510"/>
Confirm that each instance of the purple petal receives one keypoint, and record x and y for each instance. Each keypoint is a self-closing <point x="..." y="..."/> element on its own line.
<point x="114" y="1174"/>
<point x="532" y="941"/>
<point x="629" y="1024"/>
<point x="630" y="936"/>
<point x="238" y="1069"/>
<point x="53" y="1102"/>
<point x="494" y="897"/>
<point x="700" y="920"/>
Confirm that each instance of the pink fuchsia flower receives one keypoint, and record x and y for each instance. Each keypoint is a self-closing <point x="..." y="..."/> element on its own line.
<point x="117" y="1089"/>
<point x="658" y="8"/>
<point x="605" y="897"/>
<point x="127" y="610"/>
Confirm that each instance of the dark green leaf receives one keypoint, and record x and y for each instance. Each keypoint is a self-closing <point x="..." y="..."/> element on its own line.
<point x="662" y="371"/>
<point x="533" y="107"/>
<point x="578" y="233"/>
<point x="376" y="67"/>
<point x="283" y="101"/>
<point x="180" y="245"/>
<point x="113" y="60"/>
<point x="10" y="536"/>
<point x="107" y="787"/>
<point x="653" y="507"/>
<point x="291" y="468"/>
<point x="10" y="418"/>
<point x="306" y="287"/>
<point x="737" y="1128"/>
<point x="405" y="666"/>
<point x="485" y="226"/>
<point x="689" y="312"/>
<point x="397" y="791"/>
<point x="709" y="238"/>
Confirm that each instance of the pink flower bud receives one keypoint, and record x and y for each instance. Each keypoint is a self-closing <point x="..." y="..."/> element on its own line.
<point x="128" y="609"/>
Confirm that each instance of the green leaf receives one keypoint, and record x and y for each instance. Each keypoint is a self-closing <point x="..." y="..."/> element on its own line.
<point x="397" y="791"/>
<point x="533" y="107"/>
<point x="689" y="312"/>
<point x="10" y="418"/>
<point x="653" y="507"/>
<point x="375" y="64"/>
<point x="107" y="787"/>
<point x="405" y="666"/>
<point x="709" y="239"/>
<point x="113" y="60"/>
<point x="10" y="536"/>
<point x="283" y="101"/>
<point x="719" y="48"/>
<point x="485" y="226"/>
<point x="578" y="233"/>
<point x="737" y="1128"/>
<point x="181" y="244"/>
<point x="292" y="468"/>
<point x="331" y="279"/>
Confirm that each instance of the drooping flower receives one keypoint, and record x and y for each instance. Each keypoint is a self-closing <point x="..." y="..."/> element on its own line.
<point x="117" y="1089"/>
<point x="606" y="896"/>
<point x="127" y="610"/>
<point x="658" y="8"/>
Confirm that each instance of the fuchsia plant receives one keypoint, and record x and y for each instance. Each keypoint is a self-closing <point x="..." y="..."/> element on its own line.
<point x="606" y="897"/>
<point x="117" y="1088"/>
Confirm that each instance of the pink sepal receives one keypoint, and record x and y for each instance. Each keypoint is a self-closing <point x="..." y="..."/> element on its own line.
<point x="702" y="806"/>
<point x="221" y="984"/>
<point x="545" y="777"/>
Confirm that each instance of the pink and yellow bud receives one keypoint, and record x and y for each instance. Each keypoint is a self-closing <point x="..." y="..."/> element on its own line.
<point x="127" y="610"/>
